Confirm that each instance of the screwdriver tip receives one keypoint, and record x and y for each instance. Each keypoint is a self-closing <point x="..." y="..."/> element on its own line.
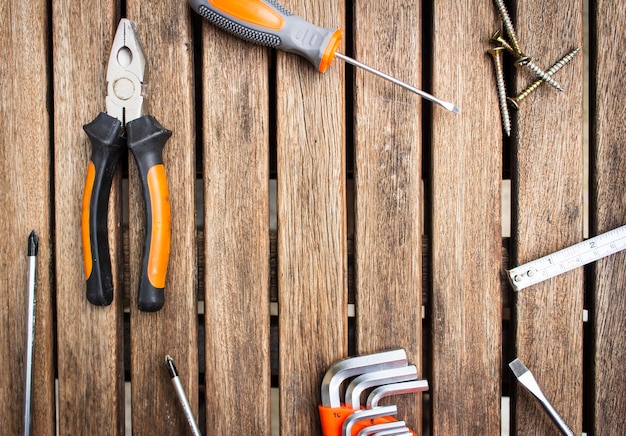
<point x="449" y="106"/>
<point x="33" y="243"/>
<point x="170" y="366"/>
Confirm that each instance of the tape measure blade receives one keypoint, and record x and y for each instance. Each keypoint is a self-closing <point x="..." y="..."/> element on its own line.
<point x="567" y="259"/>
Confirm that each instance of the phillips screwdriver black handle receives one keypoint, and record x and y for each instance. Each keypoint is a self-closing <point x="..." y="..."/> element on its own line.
<point x="146" y="139"/>
<point x="104" y="134"/>
<point x="268" y="23"/>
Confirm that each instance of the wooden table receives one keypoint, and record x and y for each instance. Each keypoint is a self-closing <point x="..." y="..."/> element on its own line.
<point x="385" y="204"/>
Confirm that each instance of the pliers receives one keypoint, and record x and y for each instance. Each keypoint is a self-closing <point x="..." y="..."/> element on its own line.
<point x="125" y="124"/>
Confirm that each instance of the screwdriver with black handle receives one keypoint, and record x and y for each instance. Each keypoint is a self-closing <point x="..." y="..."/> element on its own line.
<point x="268" y="23"/>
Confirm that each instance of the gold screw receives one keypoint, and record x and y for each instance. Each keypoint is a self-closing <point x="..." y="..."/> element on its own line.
<point x="553" y="69"/>
<point x="523" y="60"/>
<point x="508" y="26"/>
<point x="498" y="39"/>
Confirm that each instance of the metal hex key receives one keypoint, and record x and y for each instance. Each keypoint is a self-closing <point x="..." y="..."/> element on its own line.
<point x="395" y="389"/>
<point x="353" y="366"/>
<point x="360" y="415"/>
<point x="374" y="429"/>
<point x="377" y="378"/>
<point x="394" y="433"/>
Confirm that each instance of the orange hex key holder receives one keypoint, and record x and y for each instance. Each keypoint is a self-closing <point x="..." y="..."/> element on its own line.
<point x="126" y="124"/>
<point x="340" y="421"/>
<point x="388" y="370"/>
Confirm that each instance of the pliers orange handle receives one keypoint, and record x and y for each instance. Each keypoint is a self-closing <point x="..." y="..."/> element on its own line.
<point x="125" y="124"/>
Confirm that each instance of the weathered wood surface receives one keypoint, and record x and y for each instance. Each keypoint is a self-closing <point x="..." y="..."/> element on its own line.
<point x="234" y="108"/>
<point x="465" y="223"/>
<point x="235" y="102"/>
<point x="608" y="211"/>
<point x="89" y="338"/>
<point x="547" y="198"/>
<point x="165" y="32"/>
<point x="310" y="144"/>
<point x="25" y="200"/>
<point x="388" y="186"/>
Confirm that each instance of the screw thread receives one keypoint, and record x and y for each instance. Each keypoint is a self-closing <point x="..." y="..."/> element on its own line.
<point x="526" y="92"/>
<point x="496" y="54"/>
<point x="508" y="26"/>
<point x="543" y="75"/>
<point x="553" y="69"/>
<point x="563" y="61"/>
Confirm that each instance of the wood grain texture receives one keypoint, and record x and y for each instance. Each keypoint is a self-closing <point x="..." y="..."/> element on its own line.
<point x="25" y="198"/>
<point x="388" y="186"/>
<point x="236" y="194"/>
<point x="466" y="223"/>
<point x="89" y="338"/>
<point x="608" y="211"/>
<point x="165" y="32"/>
<point x="547" y="195"/>
<point x="311" y="224"/>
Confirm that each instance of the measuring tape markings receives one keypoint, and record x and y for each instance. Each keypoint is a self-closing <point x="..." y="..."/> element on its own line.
<point x="568" y="259"/>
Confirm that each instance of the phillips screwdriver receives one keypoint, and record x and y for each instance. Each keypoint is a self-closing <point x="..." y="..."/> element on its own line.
<point x="182" y="397"/>
<point x="268" y="23"/>
<point x="33" y="247"/>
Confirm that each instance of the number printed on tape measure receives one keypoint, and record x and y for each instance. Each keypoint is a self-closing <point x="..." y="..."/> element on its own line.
<point x="568" y="259"/>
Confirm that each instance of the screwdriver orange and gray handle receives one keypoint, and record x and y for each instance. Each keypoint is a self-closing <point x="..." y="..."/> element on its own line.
<point x="268" y="23"/>
<point x="126" y="124"/>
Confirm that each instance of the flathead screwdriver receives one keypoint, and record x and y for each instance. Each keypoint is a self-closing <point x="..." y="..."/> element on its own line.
<point x="268" y="23"/>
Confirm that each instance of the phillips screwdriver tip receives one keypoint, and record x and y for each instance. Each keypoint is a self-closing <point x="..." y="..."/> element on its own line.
<point x="169" y="362"/>
<point x="33" y="243"/>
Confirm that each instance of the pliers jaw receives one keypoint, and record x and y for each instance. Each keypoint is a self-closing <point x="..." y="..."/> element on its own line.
<point x="126" y="72"/>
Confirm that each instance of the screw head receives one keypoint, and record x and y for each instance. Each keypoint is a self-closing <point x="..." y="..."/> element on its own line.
<point x="495" y="51"/>
<point x="513" y="102"/>
<point x="496" y="35"/>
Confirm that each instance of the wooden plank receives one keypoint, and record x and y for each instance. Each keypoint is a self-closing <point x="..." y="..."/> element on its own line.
<point x="547" y="195"/>
<point x="235" y="87"/>
<point x="608" y="208"/>
<point x="388" y="186"/>
<point x="466" y="223"/>
<point x="25" y="197"/>
<point x="165" y="32"/>
<point x="311" y="225"/>
<point x="90" y="361"/>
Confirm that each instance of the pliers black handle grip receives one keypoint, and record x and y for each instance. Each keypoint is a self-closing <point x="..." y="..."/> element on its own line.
<point x="107" y="147"/>
<point x="146" y="139"/>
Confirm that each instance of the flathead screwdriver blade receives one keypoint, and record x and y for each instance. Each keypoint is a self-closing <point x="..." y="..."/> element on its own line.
<point x="446" y="105"/>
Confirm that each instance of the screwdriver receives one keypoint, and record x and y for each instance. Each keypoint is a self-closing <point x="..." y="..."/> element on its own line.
<point x="33" y="247"/>
<point x="267" y="23"/>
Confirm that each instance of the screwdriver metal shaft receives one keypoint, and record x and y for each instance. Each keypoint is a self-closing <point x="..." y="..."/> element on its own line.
<point x="449" y="106"/>
<point x="182" y="397"/>
<point x="33" y="247"/>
